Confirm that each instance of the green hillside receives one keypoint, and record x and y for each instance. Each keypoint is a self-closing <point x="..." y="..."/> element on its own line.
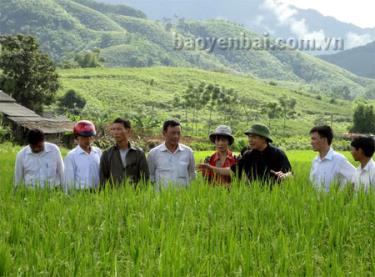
<point x="150" y="93"/>
<point x="127" y="38"/>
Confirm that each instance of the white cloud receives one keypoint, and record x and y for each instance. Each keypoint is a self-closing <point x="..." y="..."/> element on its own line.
<point x="358" y="12"/>
<point x="283" y="11"/>
<point x="259" y="20"/>
<point x="285" y="15"/>
<point x="355" y="40"/>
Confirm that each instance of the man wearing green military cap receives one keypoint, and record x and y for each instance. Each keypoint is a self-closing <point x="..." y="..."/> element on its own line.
<point x="263" y="162"/>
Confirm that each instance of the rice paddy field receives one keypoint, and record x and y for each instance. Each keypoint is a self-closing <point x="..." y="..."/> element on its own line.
<point x="200" y="231"/>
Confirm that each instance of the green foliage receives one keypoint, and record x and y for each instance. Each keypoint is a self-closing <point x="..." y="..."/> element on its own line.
<point x="364" y="119"/>
<point x="28" y="75"/>
<point x="5" y="259"/>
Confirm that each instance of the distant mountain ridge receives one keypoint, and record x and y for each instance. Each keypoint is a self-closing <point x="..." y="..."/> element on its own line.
<point x="360" y="60"/>
<point x="274" y="17"/>
<point x="127" y="38"/>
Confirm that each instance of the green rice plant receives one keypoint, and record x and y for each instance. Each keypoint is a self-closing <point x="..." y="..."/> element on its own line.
<point x="200" y="230"/>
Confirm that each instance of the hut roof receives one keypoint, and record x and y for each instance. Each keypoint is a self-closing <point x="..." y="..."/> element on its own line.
<point x="28" y="119"/>
<point x="48" y="126"/>
<point x="14" y="109"/>
<point x="6" y="98"/>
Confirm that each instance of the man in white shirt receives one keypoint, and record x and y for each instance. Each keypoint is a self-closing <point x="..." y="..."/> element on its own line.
<point x="362" y="151"/>
<point x="171" y="163"/>
<point x="39" y="164"/>
<point x="82" y="163"/>
<point x="329" y="167"/>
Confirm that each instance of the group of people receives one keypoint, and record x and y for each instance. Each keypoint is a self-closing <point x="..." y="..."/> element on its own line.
<point x="86" y="167"/>
<point x="172" y="163"/>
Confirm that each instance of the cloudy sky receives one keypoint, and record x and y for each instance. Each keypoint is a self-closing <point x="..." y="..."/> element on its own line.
<point x="358" y="12"/>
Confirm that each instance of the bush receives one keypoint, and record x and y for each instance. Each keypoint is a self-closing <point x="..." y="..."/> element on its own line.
<point x="71" y="103"/>
<point x="5" y="132"/>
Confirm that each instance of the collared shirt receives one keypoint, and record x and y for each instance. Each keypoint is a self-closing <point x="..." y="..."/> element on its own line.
<point x="334" y="167"/>
<point x="177" y="168"/>
<point x="82" y="168"/>
<point x="215" y="161"/>
<point x="257" y="165"/>
<point x="365" y="177"/>
<point x="39" y="169"/>
<point x="113" y="171"/>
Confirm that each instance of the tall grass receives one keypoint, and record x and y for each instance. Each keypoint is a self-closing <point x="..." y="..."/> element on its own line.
<point x="202" y="230"/>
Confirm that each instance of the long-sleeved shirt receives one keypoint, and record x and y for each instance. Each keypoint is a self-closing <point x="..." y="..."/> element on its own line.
<point x="114" y="171"/>
<point x="334" y="167"/>
<point x="82" y="168"/>
<point x="365" y="177"/>
<point x="176" y="168"/>
<point x="214" y="160"/>
<point x="39" y="169"/>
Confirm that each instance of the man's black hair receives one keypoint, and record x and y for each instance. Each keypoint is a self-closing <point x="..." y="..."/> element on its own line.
<point x="324" y="132"/>
<point x="366" y="143"/>
<point x="124" y="122"/>
<point x="170" y="123"/>
<point x="34" y="136"/>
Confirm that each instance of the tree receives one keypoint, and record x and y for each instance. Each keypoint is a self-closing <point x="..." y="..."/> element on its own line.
<point x="213" y="93"/>
<point x="363" y="119"/>
<point x="196" y="99"/>
<point x="287" y="108"/>
<point x="29" y="76"/>
<point x="228" y="102"/>
<point x="71" y="102"/>
<point x="320" y="121"/>
<point x="370" y="92"/>
<point x="273" y="110"/>
<point x="145" y="123"/>
<point x="342" y="92"/>
<point x="89" y="59"/>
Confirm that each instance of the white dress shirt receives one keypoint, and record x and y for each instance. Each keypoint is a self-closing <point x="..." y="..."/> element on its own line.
<point x="82" y="168"/>
<point x="333" y="168"/>
<point x="365" y="177"/>
<point x="39" y="169"/>
<point x="176" y="168"/>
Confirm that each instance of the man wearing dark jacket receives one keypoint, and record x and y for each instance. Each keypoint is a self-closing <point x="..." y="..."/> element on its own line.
<point x="123" y="162"/>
